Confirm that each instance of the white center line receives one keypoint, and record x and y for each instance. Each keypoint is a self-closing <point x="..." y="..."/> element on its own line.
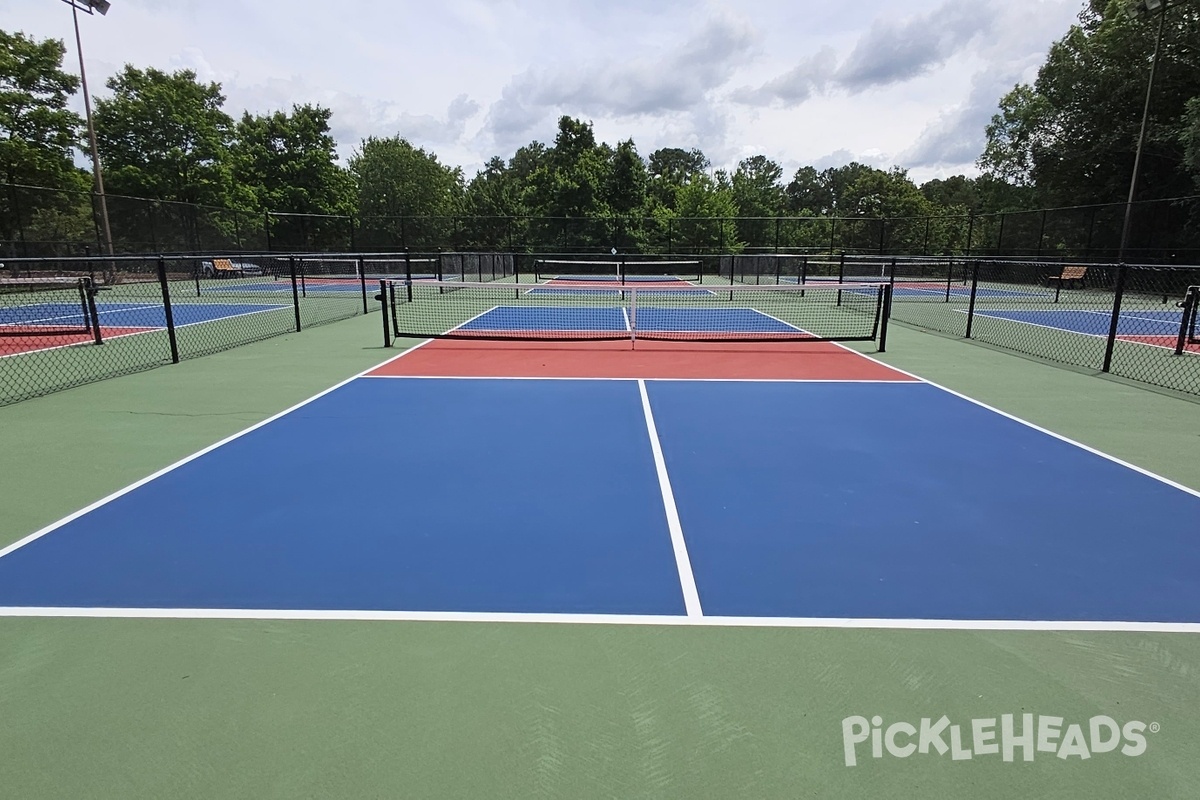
<point x="687" y="581"/>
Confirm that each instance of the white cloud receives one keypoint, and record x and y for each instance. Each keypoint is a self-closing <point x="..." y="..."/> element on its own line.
<point x="800" y="83"/>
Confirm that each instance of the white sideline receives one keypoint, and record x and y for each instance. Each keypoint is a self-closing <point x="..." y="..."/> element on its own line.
<point x="1075" y="626"/>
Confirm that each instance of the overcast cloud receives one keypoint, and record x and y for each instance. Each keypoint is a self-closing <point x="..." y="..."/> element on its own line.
<point x="910" y="84"/>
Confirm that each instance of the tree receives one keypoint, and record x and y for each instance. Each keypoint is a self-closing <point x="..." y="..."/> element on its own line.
<point x="705" y="210"/>
<point x="287" y="163"/>
<point x="492" y="202"/>
<point x="405" y="195"/>
<point x="670" y="168"/>
<point x="626" y="197"/>
<point x="759" y="197"/>
<point x="37" y="134"/>
<point x="166" y="136"/>
<point x="1190" y="138"/>
<point x="568" y="189"/>
<point x="1074" y="132"/>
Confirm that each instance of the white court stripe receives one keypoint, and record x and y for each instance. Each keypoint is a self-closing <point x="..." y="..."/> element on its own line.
<point x="1076" y="626"/>
<point x="687" y="581"/>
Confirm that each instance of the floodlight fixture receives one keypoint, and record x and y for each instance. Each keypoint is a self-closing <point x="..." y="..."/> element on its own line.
<point x="90" y="6"/>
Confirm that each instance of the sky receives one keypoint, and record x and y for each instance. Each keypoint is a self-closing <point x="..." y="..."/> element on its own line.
<point x="910" y="84"/>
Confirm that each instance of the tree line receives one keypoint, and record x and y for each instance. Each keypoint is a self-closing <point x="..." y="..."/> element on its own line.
<point x="1067" y="139"/>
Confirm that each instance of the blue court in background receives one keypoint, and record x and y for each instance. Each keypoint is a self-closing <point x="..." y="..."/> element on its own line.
<point x="128" y="315"/>
<point x="795" y="499"/>
<point x="1130" y="323"/>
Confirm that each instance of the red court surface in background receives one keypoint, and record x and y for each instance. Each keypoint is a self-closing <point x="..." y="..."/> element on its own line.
<point x="453" y="358"/>
<point x="1168" y="342"/>
<point x="31" y="343"/>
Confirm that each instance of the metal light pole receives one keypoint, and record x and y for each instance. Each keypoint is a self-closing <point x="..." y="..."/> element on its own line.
<point x="91" y="6"/>
<point x="1138" y="9"/>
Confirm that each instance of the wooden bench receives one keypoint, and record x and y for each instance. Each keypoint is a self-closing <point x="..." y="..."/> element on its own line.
<point x="1069" y="275"/>
<point x="223" y="266"/>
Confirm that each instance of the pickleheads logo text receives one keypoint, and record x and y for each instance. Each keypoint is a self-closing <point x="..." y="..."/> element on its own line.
<point x="1008" y="737"/>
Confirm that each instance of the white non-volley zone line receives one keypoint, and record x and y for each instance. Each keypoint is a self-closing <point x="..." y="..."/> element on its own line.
<point x="1073" y="626"/>
<point x="683" y="563"/>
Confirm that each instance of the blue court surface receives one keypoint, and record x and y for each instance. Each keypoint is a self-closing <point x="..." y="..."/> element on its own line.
<point x="574" y="318"/>
<point x="1130" y="323"/>
<point x="917" y="289"/>
<point x="775" y="500"/>
<point x="128" y="315"/>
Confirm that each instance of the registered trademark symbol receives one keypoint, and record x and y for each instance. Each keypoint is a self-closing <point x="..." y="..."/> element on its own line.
<point x="1155" y="727"/>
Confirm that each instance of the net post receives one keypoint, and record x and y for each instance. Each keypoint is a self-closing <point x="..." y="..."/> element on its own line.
<point x="949" y="277"/>
<point x="621" y="268"/>
<point x="841" y="275"/>
<point x="295" y="290"/>
<point x="92" y="314"/>
<point x="303" y="282"/>
<point x="391" y="306"/>
<point x="633" y="317"/>
<point x="1185" y="322"/>
<point x="362" y="279"/>
<point x="408" y="274"/>
<point x="971" y="305"/>
<point x="81" y="285"/>
<point x="885" y="316"/>
<point x="1118" y="296"/>
<point x="383" y="312"/>
<point x="167" y="313"/>
<point x="196" y="276"/>
<point x="803" y="272"/>
<point x="777" y="259"/>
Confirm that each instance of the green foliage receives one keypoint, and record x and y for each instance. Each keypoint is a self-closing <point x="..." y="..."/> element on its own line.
<point x="37" y="135"/>
<point x="568" y="190"/>
<point x="759" y="196"/>
<point x="1073" y="134"/>
<point x="288" y="163"/>
<point x="705" y="211"/>
<point x="1189" y="136"/>
<point x="405" y="195"/>
<point x="1066" y="139"/>
<point x="670" y="168"/>
<point x="166" y="136"/>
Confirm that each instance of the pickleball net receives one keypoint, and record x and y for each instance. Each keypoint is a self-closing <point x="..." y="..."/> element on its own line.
<point x="600" y="311"/>
<point x="619" y="270"/>
<point x="47" y="307"/>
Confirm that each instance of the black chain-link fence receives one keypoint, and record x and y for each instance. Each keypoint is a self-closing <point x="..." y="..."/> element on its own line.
<point x="1136" y="321"/>
<point x="45" y="222"/>
<point x="67" y="322"/>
